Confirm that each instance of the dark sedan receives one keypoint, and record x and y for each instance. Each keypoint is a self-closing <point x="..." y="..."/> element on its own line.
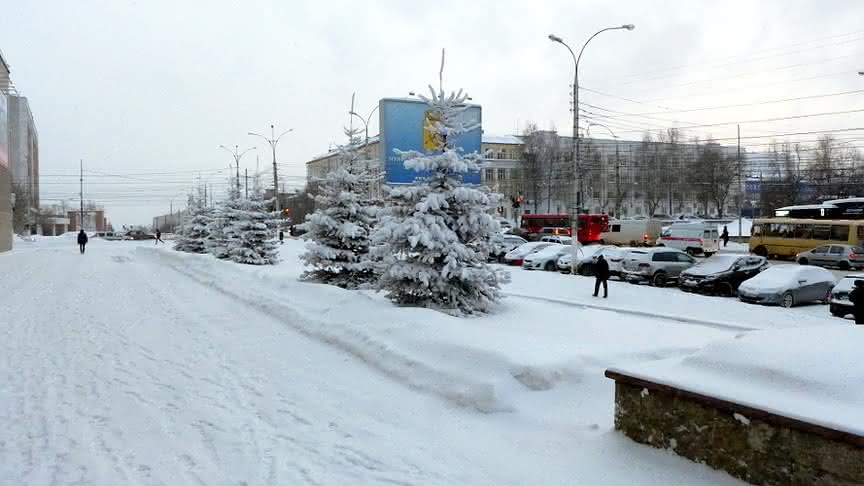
<point x="721" y="274"/>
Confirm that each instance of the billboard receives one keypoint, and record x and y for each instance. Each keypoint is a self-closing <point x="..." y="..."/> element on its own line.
<point x="401" y="124"/>
<point x="4" y="132"/>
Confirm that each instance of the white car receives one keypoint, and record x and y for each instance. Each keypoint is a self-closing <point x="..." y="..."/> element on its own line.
<point x="585" y="252"/>
<point x="502" y="244"/>
<point x="515" y="257"/>
<point x="614" y="257"/>
<point x="546" y="258"/>
<point x="561" y="240"/>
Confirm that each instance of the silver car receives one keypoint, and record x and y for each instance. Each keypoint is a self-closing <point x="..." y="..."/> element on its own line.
<point x="840" y="256"/>
<point x="657" y="266"/>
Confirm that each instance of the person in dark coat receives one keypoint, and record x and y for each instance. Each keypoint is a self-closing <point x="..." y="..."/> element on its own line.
<point x="281" y="237"/>
<point x="159" y="237"/>
<point x="82" y="240"/>
<point x="725" y="237"/>
<point x="857" y="299"/>
<point x="601" y="274"/>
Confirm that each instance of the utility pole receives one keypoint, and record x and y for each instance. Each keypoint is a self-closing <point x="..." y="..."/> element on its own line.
<point x="273" y="141"/>
<point x="740" y="187"/>
<point x="247" y="183"/>
<point x="81" y="214"/>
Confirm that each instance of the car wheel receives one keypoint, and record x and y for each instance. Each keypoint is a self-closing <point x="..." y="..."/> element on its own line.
<point x="549" y="267"/>
<point x="844" y="265"/>
<point x="725" y="289"/>
<point x="788" y="300"/>
<point x="803" y="261"/>
<point x="761" y="251"/>
<point x="659" y="279"/>
<point x="837" y="312"/>
<point x="584" y="271"/>
<point x="693" y="251"/>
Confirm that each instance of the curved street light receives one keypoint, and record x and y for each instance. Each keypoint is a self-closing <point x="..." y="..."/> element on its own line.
<point x="365" y="121"/>
<point x="574" y="223"/>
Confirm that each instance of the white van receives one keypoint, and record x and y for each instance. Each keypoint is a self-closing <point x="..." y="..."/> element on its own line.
<point x="632" y="232"/>
<point x="694" y="238"/>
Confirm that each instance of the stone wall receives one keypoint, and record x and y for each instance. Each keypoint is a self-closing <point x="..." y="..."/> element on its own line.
<point x="750" y="444"/>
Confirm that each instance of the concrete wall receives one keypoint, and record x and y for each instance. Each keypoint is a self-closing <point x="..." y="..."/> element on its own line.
<point x="752" y="445"/>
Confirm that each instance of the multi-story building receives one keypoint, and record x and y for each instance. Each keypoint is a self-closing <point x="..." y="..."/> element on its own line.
<point x="94" y="218"/>
<point x="5" y="173"/>
<point x="24" y="162"/>
<point x="171" y="222"/>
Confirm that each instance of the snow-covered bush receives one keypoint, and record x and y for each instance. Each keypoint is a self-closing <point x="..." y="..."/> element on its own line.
<point x="338" y="231"/>
<point x="249" y="228"/>
<point x="194" y="232"/>
<point x="435" y="236"/>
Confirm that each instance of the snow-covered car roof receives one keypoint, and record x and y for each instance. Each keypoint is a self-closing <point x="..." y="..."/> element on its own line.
<point x="787" y="276"/>
<point x="529" y="247"/>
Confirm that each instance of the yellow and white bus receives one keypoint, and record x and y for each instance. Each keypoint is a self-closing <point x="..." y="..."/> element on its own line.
<point x="786" y="237"/>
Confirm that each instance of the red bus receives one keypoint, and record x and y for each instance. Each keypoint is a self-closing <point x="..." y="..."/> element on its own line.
<point x="590" y="225"/>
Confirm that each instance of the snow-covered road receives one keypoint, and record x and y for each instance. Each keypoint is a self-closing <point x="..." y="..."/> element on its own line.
<point x="115" y="370"/>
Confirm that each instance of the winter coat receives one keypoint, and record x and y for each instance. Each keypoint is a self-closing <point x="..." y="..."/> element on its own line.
<point x="82" y="238"/>
<point x="601" y="269"/>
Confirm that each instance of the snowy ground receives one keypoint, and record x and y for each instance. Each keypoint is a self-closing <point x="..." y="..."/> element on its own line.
<point x="131" y="365"/>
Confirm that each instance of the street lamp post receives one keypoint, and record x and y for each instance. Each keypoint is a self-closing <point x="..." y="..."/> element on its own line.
<point x="365" y="122"/>
<point x="237" y="156"/>
<point x="574" y="220"/>
<point x="273" y="141"/>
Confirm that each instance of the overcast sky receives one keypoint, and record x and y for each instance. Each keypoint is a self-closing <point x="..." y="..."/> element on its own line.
<point x="138" y="87"/>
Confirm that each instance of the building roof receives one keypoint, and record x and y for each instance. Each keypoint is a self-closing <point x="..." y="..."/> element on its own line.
<point x="330" y="153"/>
<point x="502" y="139"/>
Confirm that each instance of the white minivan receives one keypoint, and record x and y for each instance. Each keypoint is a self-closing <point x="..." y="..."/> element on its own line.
<point x="694" y="238"/>
<point x="631" y="232"/>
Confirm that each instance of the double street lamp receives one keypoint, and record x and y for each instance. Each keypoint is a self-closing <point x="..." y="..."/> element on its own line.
<point x="574" y="223"/>
<point x="237" y="154"/>
<point x="273" y="141"/>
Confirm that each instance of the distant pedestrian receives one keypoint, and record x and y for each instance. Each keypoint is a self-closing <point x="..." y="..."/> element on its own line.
<point x="159" y="237"/>
<point x="281" y="237"/>
<point x="857" y="299"/>
<point x="291" y="230"/>
<point x="725" y="237"/>
<point x="82" y="240"/>
<point x="601" y="275"/>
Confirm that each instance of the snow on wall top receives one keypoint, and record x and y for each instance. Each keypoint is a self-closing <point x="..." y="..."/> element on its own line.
<point x="502" y="139"/>
<point x="809" y="374"/>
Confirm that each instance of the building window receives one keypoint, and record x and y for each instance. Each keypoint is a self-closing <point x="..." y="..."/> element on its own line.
<point x="502" y="174"/>
<point x="501" y="155"/>
<point x="490" y="174"/>
<point x="596" y="194"/>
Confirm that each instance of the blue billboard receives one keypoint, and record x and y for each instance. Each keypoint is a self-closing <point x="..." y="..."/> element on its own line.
<point x="401" y="125"/>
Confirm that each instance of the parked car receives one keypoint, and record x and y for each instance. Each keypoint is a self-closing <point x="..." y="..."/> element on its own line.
<point x="515" y="231"/>
<point x="633" y="232"/>
<point x="788" y="285"/>
<point x="517" y="255"/>
<point x="585" y="252"/>
<point x="657" y="266"/>
<point x="721" y="274"/>
<point x="840" y="256"/>
<point x="139" y="235"/>
<point x="546" y="258"/>
<point x="561" y="240"/>
<point x="839" y="304"/>
<point x="550" y="231"/>
<point x="614" y="257"/>
<point x="692" y="237"/>
<point x="501" y="244"/>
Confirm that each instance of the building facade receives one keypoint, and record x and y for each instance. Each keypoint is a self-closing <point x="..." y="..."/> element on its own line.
<point x="94" y="219"/>
<point x="24" y="163"/>
<point x="5" y="172"/>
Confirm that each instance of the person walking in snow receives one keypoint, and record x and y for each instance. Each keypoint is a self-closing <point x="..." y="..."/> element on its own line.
<point x="725" y="237"/>
<point x="82" y="240"/>
<point x="159" y="237"/>
<point x="281" y="237"/>
<point x="857" y="299"/>
<point x="601" y="275"/>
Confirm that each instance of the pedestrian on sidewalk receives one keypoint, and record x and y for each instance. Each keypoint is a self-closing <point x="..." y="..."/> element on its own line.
<point x="725" y="237"/>
<point x="601" y="275"/>
<point x="82" y="240"/>
<point x="159" y="237"/>
<point x="281" y="237"/>
<point x="857" y="299"/>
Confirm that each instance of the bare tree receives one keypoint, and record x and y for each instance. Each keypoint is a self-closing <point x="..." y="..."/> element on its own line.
<point x="670" y="160"/>
<point x="650" y="177"/>
<point x="541" y="154"/>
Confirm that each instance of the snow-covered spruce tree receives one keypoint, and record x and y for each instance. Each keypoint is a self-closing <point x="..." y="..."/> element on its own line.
<point x="249" y="229"/>
<point x="195" y="229"/>
<point x="435" y="236"/>
<point x="221" y="217"/>
<point x="338" y="232"/>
